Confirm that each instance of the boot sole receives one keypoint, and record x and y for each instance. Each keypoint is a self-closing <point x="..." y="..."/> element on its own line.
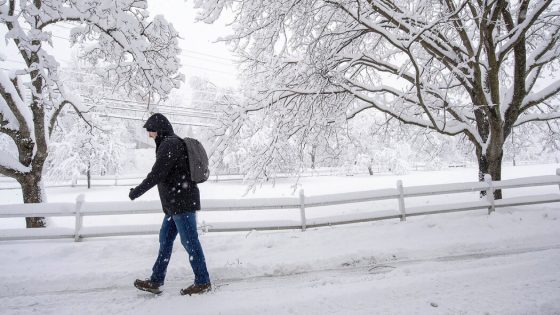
<point x="182" y="292"/>
<point x="154" y="291"/>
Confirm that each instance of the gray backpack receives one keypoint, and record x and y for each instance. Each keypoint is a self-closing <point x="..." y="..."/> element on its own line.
<point x="198" y="160"/>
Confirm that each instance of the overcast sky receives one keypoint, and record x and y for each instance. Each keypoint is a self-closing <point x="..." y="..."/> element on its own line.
<point x="201" y="55"/>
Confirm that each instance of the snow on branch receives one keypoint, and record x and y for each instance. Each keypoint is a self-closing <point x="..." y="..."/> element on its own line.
<point x="15" y="114"/>
<point x="518" y="31"/>
<point x="537" y="117"/>
<point x="399" y="112"/>
<point x="545" y="53"/>
<point x="139" y="54"/>
<point x="10" y="166"/>
<point x="536" y="98"/>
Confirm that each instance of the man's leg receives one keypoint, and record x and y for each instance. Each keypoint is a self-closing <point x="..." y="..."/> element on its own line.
<point x="186" y="226"/>
<point x="167" y="235"/>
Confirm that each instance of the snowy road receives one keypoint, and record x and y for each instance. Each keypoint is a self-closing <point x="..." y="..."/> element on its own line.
<point x="476" y="283"/>
<point x="515" y="280"/>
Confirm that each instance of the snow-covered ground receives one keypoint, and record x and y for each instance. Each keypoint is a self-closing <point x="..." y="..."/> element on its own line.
<point x="460" y="263"/>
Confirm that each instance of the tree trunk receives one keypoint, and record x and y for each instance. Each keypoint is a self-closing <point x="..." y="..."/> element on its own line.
<point x="514" y="149"/>
<point x="32" y="193"/>
<point x="312" y="154"/>
<point x="490" y="163"/>
<point x="89" y="177"/>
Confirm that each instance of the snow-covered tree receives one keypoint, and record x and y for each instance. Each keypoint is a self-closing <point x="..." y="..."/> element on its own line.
<point x="379" y="144"/>
<point x="137" y="53"/>
<point x="206" y="102"/>
<point x="473" y="68"/>
<point x="79" y="149"/>
<point x="534" y="142"/>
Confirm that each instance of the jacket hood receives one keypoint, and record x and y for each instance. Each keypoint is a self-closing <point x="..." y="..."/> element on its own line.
<point x="159" y="123"/>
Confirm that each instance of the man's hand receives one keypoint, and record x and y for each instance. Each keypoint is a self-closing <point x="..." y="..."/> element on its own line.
<point x="131" y="194"/>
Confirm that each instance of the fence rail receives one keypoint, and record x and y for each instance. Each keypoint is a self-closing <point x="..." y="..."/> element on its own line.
<point x="7" y="183"/>
<point x="81" y="208"/>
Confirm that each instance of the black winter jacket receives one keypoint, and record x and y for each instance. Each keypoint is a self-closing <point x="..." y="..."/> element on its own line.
<point x="178" y="194"/>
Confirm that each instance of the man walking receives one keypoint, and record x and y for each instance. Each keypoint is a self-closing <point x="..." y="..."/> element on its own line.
<point x="180" y="199"/>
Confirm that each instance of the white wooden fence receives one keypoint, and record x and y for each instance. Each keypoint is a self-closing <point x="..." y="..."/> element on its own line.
<point x="7" y="183"/>
<point x="81" y="208"/>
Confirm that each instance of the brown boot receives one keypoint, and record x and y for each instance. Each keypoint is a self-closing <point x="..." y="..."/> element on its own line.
<point x="197" y="289"/>
<point x="147" y="285"/>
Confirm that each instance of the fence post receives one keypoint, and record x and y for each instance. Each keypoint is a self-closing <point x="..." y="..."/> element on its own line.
<point x="74" y="180"/>
<point x="302" y="210"/>
<point x="79" y="218"/>
<point x="490" y="193"/>
<point x="401" y="200"/>
<point x="558" y="174"/>
<point x="204" y="227"/>
<point x="116" y="179"/>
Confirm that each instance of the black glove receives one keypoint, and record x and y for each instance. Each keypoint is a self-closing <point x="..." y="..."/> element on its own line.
<point x="131" y="194"/>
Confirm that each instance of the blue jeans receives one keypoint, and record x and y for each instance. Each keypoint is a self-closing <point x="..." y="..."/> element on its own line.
<point x="185" y="225"/>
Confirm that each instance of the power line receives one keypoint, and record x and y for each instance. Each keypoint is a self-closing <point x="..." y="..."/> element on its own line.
<point x="229" y="74"/>
<point x="221" y="93"/>
<point x="172" y="122"/>
<point x="206" y="54"/>
<point x="189" y="51"/>
<point x="157" y="105"/>
<point x="175" y="113"/>
<point x="170" y="115"/>
<point x="61" y="26"/>
<point x="208" y="60"/>
<point x="216" y="93"/>
<point x="209" y="69"/>
<point x="185" y="111"/>
<point x="60" y="37"/>
<point x="171" y="107"/>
